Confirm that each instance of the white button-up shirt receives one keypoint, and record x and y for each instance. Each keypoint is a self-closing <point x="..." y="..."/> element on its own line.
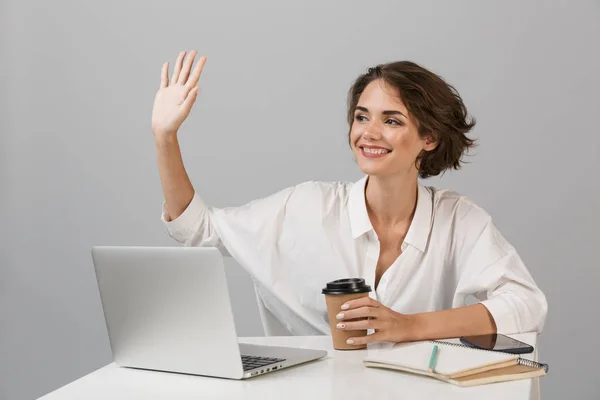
<point x="295" y="241"/>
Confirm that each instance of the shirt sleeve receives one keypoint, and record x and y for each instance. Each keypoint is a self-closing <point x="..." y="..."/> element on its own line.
<point x="194" y="226"/>
<point x="249" y="233"/>
<point x="492" y="271"/>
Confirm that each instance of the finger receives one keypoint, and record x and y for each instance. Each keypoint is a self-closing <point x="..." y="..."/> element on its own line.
<point x="362" y="312"/>
<point x="360" y="340"/>
<point x="363" y="301"/>
<point x="177" y="69"/>
<point x="358" y="325"/>
<point x="187" y="66"/>
<point x="190" y="99"/>
<point x="195" y="76"/>
<point x="164" y="75"/>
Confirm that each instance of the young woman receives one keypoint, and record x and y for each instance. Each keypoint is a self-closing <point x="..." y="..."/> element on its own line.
<point x="423" y="250"/>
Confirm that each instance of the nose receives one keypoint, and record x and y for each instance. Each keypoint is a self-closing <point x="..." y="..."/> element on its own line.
<point x="372" y="131"/>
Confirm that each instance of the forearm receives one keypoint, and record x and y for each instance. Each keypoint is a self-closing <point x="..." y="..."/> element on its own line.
<point x="469" y="320"/>
<point x="176" y="185"/>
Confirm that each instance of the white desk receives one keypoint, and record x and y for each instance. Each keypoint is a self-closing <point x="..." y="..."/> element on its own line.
<point x="340" y="375"/>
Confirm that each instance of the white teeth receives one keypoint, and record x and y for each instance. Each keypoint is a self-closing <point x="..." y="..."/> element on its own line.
<point x="375" y="151"/>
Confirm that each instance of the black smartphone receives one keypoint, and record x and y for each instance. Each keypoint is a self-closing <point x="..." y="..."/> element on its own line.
<point x="497" y="342"/>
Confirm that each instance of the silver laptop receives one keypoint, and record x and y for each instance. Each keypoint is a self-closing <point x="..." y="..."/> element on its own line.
<point x="168" y="309"/>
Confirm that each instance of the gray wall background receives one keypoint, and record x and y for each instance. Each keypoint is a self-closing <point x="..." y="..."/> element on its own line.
<point x="77" y="161"/>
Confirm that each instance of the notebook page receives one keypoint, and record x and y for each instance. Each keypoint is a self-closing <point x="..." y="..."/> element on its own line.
<point x="450" y="359"/>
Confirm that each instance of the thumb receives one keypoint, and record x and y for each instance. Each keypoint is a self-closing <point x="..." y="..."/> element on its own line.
<point x="190" y="99"/>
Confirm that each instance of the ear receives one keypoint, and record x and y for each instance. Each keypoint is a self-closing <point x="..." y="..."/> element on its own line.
<point x="430" y="143"/>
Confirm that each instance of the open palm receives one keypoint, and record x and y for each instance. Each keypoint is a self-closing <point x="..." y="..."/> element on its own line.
<point x="176" y="96"/>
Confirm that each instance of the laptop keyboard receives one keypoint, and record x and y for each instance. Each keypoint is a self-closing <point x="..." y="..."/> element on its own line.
<point x="251" y="362"/>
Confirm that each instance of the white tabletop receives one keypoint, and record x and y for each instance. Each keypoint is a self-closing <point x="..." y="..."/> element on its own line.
<point x="340" y="375"/>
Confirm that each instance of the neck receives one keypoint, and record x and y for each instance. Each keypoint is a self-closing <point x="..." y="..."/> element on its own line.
<point x="391" y="201"/>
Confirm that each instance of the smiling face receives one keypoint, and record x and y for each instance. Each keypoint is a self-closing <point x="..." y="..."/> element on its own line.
<point x="383" y="136"/>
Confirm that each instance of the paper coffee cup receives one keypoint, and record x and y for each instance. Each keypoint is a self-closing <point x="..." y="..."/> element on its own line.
<point x="337" y="293"/>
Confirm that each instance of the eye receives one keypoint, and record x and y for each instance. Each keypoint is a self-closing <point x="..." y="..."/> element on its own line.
<point x="393" y="121"/>
<point x="360" y="118"/>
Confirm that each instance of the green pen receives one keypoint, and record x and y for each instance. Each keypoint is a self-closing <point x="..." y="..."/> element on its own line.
<point x="433" y="357"/>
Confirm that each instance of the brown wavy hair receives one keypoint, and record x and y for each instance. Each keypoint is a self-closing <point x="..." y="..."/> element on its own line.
<point x="433" y="103"/>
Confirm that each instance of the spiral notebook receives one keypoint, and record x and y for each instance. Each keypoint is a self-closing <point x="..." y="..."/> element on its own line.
<point x="456" y="363"/>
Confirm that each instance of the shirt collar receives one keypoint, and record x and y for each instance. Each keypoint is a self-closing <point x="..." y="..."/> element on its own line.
<point x="420" y="227"/>
<point x="357" y="208"/>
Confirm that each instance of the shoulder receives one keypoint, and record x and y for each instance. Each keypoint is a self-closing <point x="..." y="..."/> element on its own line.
<point x="466" y="221"/>
<point x="318" y="197"/>
<point x="458" y="212"/>
<point x="457" y="221"/>
<point x="319" y="190"/>
<point x="450" y="203"/>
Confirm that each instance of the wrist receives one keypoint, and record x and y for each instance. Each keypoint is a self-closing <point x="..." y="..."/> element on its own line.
<point x="165" y="139"/>
<point x="417" y="327"/>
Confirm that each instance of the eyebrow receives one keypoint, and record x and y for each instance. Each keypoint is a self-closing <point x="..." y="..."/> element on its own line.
<point x="386" y="112"/>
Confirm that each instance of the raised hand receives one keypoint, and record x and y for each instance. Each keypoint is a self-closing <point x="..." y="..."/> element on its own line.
<point x="175" y="97"/>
